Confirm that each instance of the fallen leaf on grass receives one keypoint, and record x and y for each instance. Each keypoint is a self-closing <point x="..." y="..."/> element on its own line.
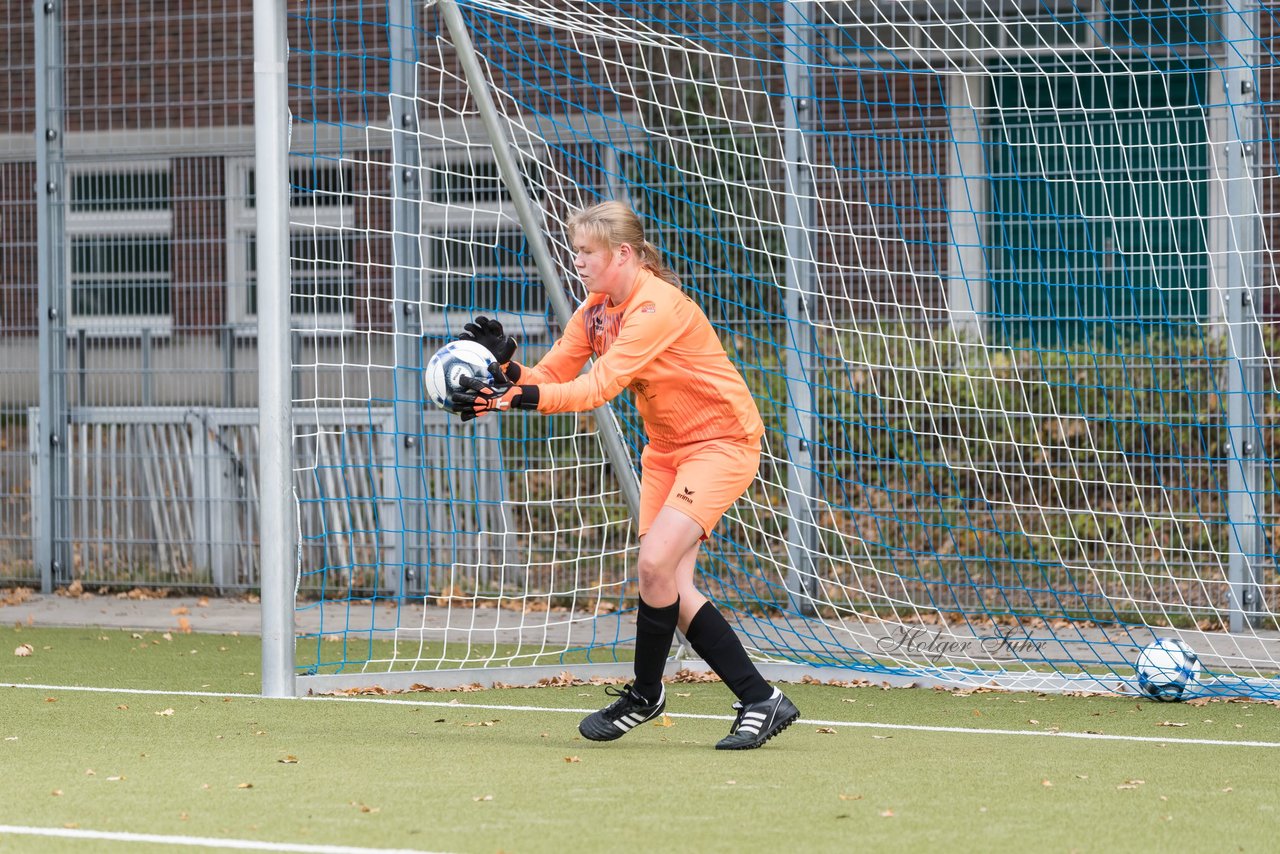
<point x="826" y="730"/>
<point x="57" y="793"/>
<point x="572" y="759"/>
<point x="887" y="814"/>
<point x="845" y="797"/>
<point x="288" y="760"/>
<point x="23" y="650"/>
<point x="483" y="798"/>
<point x="115" y="779"/>
<point x="480" y="723"/>
<point x="165" y="713"/>
<point x="664" y="721"/>
<point x="245" y="786"/>
<point x="1048" y="784"/>
<point x="1170" y="723"/>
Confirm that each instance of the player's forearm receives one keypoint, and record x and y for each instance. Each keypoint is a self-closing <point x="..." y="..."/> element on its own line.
<point x="587" y="392"/>
<point x="561" y="364"/>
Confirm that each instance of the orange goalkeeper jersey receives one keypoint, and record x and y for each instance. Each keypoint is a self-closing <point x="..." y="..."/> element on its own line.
<point x="659" y="344"/>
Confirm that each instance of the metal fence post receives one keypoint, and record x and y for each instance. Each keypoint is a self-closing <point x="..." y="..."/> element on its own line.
<point x="802" y="533"/>
<point x="1244" y="334"/>
<point x="405" y="554"/>
<point x="52" y="545"/>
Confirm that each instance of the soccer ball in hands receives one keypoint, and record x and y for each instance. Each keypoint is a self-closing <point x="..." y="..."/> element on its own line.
<point x="450" y="364"/>
<point x="1166" y="669"/>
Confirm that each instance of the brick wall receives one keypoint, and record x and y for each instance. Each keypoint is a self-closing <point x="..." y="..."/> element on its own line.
<point x="131" y="65"/>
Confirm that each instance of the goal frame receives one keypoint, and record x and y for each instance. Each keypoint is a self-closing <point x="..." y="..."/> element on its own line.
<point x="279" y="554"/>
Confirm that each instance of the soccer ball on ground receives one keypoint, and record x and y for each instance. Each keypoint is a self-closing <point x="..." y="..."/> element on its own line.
<point x="1166" y="668"/>
<point x="448" y="365"/>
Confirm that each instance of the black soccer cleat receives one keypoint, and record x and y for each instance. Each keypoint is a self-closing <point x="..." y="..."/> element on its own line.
<point x="622" y="715"/>
<point x="758" y="722"/>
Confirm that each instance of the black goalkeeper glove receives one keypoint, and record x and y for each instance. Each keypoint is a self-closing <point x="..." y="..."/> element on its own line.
<point x="480" y="397"/>
<point x="488" y="333"/>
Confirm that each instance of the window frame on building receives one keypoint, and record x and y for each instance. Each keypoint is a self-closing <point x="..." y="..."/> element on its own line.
<point x="130" y="220"/>
<point x="314" y="216"/>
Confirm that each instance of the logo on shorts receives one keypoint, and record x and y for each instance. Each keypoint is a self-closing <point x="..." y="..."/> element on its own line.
<point x="685" y="495"/>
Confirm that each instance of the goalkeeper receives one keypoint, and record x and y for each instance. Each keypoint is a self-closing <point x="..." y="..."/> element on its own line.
<point x="703" y="452"/>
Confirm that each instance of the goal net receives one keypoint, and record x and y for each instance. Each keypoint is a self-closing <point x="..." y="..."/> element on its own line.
<point x="997" y="272"/>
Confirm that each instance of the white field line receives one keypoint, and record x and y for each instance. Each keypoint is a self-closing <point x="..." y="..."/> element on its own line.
<point x="195" y="841"/>
<point x="1092" y="736"/>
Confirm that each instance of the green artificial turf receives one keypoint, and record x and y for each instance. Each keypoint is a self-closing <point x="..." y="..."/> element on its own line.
<point x="439" y="772"/>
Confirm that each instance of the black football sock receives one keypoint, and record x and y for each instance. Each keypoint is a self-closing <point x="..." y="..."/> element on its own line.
<point x="655" y="629"/>
<point x="715" y="642"/>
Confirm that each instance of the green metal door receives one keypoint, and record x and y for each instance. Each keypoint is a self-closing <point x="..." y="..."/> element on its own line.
<point x="1098" y="188"/>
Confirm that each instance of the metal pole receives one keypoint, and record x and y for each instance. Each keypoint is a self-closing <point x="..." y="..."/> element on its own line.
<point x="531" y="222"/>
<point x="148" y="374"/>
<point x="405" y="555"/>
<point x="1244" y="334"/>
<point x="801" y="275"/>
<point x="228" y="366"/>
<point x="53" y="536"/>
<point x="277" y="531"/>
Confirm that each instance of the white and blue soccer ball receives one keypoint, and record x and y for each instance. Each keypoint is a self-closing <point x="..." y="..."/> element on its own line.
<point x="1166" y="669"/>
<point x="450" y="364"/>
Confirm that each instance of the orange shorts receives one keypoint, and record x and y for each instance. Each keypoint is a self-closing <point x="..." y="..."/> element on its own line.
<point x="701" y="480"/>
